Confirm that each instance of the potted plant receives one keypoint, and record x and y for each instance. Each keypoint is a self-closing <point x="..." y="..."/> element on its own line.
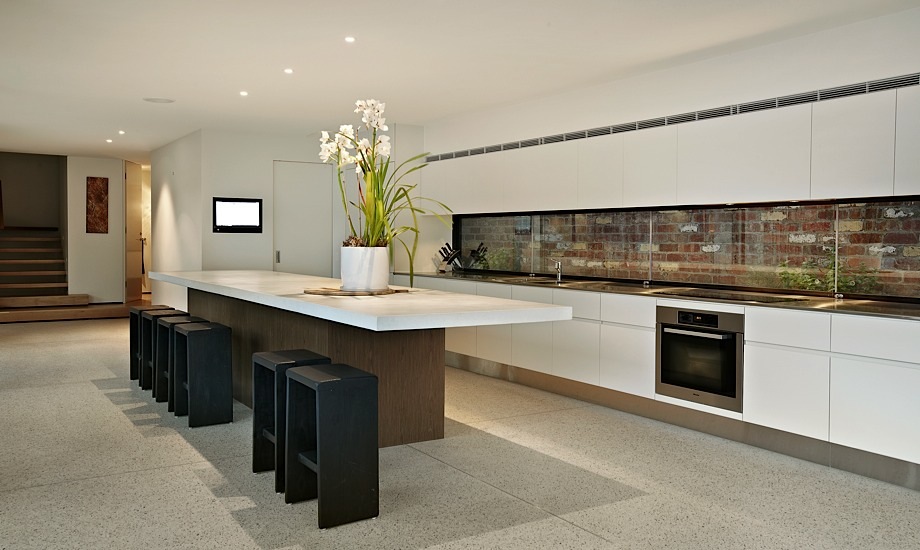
<point x="383" y="206"/>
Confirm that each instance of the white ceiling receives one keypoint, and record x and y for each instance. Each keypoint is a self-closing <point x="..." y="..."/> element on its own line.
<point x="74" y="72"/>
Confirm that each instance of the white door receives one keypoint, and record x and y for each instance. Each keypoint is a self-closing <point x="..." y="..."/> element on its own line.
<point x="303" y="218"/>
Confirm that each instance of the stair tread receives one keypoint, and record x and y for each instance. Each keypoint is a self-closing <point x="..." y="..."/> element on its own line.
<point x="40" y="273"/>
<point x="31" y="261"/>
<point x="48" y="249"/>
<point x="33" y="285"/>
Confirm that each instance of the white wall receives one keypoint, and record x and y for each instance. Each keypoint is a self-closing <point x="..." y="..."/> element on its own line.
<point x="877" y="48"/>
<point x="237" y="164"/>
<point x="176" y="215"/>
<point x="95" y="261"/>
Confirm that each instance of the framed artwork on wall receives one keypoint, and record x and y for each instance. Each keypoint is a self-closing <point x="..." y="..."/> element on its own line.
<point x="97" y="205"/>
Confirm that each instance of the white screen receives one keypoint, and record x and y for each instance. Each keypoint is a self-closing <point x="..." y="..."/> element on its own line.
<point x="237" y="213"/>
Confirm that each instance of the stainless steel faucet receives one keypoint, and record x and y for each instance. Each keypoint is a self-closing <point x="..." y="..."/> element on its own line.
<point x="558" y="271"/>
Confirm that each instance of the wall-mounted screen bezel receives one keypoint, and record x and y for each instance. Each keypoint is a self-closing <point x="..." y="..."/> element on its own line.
<point x="236" y="215"/>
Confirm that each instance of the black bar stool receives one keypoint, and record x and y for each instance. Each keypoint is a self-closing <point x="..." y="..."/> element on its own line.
<point x="269" y="405"/>
<point x="203" y="384"/>
<point x="331" y="449"/>
<point x="148" y="335"/>
<point x="134" y="327"/>
<point x="163" y="354"/>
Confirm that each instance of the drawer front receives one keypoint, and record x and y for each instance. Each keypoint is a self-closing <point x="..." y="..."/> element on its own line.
<point x="893" y="339"/>
<point x="628" y="310"/>
<point x="585" y="305"/>
<point x="799" y="329"/>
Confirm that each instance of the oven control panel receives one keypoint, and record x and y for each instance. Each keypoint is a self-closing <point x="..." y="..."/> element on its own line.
<point x="697" y="319"/>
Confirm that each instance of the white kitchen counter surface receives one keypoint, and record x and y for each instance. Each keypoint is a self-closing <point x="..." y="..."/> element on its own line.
<point x="416" y="309"/>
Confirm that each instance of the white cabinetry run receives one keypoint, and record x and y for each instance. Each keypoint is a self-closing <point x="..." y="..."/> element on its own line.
<point x="875" y="384"/>
<point x="907" y="143"/>
<point x="787" y="370"/>
<point x="627" y="344"/>
<point x="650" y="167"/>
<point x="762" y="156"/>
<point x="600" y="172"/>
<point x="532" y="343"/>
<point x="575" y="342"/>
<point x="853" y="146"/>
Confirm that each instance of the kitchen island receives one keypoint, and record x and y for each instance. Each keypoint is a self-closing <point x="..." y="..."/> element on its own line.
<point x="397" y="337"/>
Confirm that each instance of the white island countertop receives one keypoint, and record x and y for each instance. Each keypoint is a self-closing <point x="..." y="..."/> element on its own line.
<point x="416" y="309"/>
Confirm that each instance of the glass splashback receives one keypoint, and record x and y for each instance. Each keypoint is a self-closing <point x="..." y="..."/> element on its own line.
<point x="870" y="248"/>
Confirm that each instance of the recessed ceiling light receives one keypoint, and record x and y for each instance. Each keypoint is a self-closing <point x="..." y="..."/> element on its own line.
<point x="108" y="141"/>
<point x="121" y="132"/>
<point x="159" y="100"/>
<point x="288" y="71"/>
<point x="244" y="93"/>
<point x="349" y="39"/>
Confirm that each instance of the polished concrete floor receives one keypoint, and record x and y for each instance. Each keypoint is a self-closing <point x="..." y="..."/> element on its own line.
<point x="87" y="460"/>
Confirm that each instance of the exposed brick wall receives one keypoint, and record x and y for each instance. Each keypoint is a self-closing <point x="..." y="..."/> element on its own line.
<point x="787" y="246"/>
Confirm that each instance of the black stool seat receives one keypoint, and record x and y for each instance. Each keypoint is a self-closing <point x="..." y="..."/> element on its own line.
<point x="134" y="331"/>
<point x="331" y="449"/>
<point x="203" y="384"/>
<point x="148" y="343"/>
<point x="269" y="404"/>
<point x="164" y="341"/>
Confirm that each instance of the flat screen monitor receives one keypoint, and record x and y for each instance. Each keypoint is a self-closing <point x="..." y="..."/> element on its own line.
<point x="234" y="215"/>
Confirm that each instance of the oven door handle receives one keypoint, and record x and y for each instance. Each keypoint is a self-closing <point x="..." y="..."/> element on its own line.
<point x="697" y="334"/>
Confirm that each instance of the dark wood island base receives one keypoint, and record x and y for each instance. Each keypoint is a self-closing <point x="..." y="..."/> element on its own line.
<point x="409" y="364"/>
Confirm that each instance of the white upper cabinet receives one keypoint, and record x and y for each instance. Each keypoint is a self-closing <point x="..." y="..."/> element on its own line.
<point x="650" y="167"/>
<point x="907" y="143"/>
<point x="466" y="185"/>
<point x="853" y="146"/>
<point x="752" y="157"/>
<point x="600" y="172"/>
<point x="542" y="177"/>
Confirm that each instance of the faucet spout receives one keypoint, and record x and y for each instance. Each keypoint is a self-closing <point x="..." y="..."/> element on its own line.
<point x="558" y="265"/>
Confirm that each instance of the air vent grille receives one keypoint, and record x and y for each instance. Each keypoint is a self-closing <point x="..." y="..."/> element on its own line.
<point x="677" y="119"/>
<point x="728" y="110"/>
<point x="713" y="113"/>
<point x="842" y="91"/>
<point x="895" y="82"/>
<point x="624" y="128"/>
<point x="651" y="123"/>
<point x="796" y="99"/>
<point x="756" y="106"/>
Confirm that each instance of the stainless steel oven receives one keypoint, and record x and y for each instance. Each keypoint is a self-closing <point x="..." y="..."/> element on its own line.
<point x="700" y="356"/>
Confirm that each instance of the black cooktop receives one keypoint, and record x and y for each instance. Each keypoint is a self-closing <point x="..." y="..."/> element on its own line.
<point x="729" y="295"/>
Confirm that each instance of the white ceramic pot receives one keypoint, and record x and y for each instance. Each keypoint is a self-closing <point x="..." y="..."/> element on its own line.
<point x="365" y="268"/>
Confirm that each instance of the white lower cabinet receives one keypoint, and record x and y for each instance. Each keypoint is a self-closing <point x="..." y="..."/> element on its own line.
<point x="627" y="359"/>
<point x="532" y="343"/>
<point x="460" y="340"/>
<point x="787" y="389"/>
<point x="493" y="342"/>
<point x="576" y="350"/>
<point x="875" y="406"/>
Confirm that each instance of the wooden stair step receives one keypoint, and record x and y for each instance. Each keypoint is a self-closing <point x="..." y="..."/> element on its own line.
<point x="33" y="285"/>
<point x="16" y="249"/>
<point x="44" y="301"/>
<point x="41" y="273"/>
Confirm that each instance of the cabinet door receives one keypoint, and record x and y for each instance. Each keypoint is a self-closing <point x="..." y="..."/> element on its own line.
<point x="799" y="329"/>
<point x="628" y="310"/>
<point x="627" y="359"/>
<point x="585" y="305"/>
<point x="541" y="177"/>
<point x="493" y="342"/>
<point x="906" y="157"/>
<point x="532" y="343"/>
<point x="600" y="172"/>
<point x="650" y="167"/>
<point x="436" y="182"/>
<point x="576" y="349"/>
<point x="874" y="407"/>
<point x="478" y="188"/>
<point x="752" y="157"/>
<point x="894" y="339"/>
<point x="853" y="146"/>
<point x="787" y="390"/>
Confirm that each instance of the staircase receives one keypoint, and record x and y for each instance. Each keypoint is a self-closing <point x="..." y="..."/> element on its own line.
<point x="31" y="268"/>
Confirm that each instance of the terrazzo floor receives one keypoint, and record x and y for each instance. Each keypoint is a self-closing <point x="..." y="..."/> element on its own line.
<point x="87" y="460"/>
